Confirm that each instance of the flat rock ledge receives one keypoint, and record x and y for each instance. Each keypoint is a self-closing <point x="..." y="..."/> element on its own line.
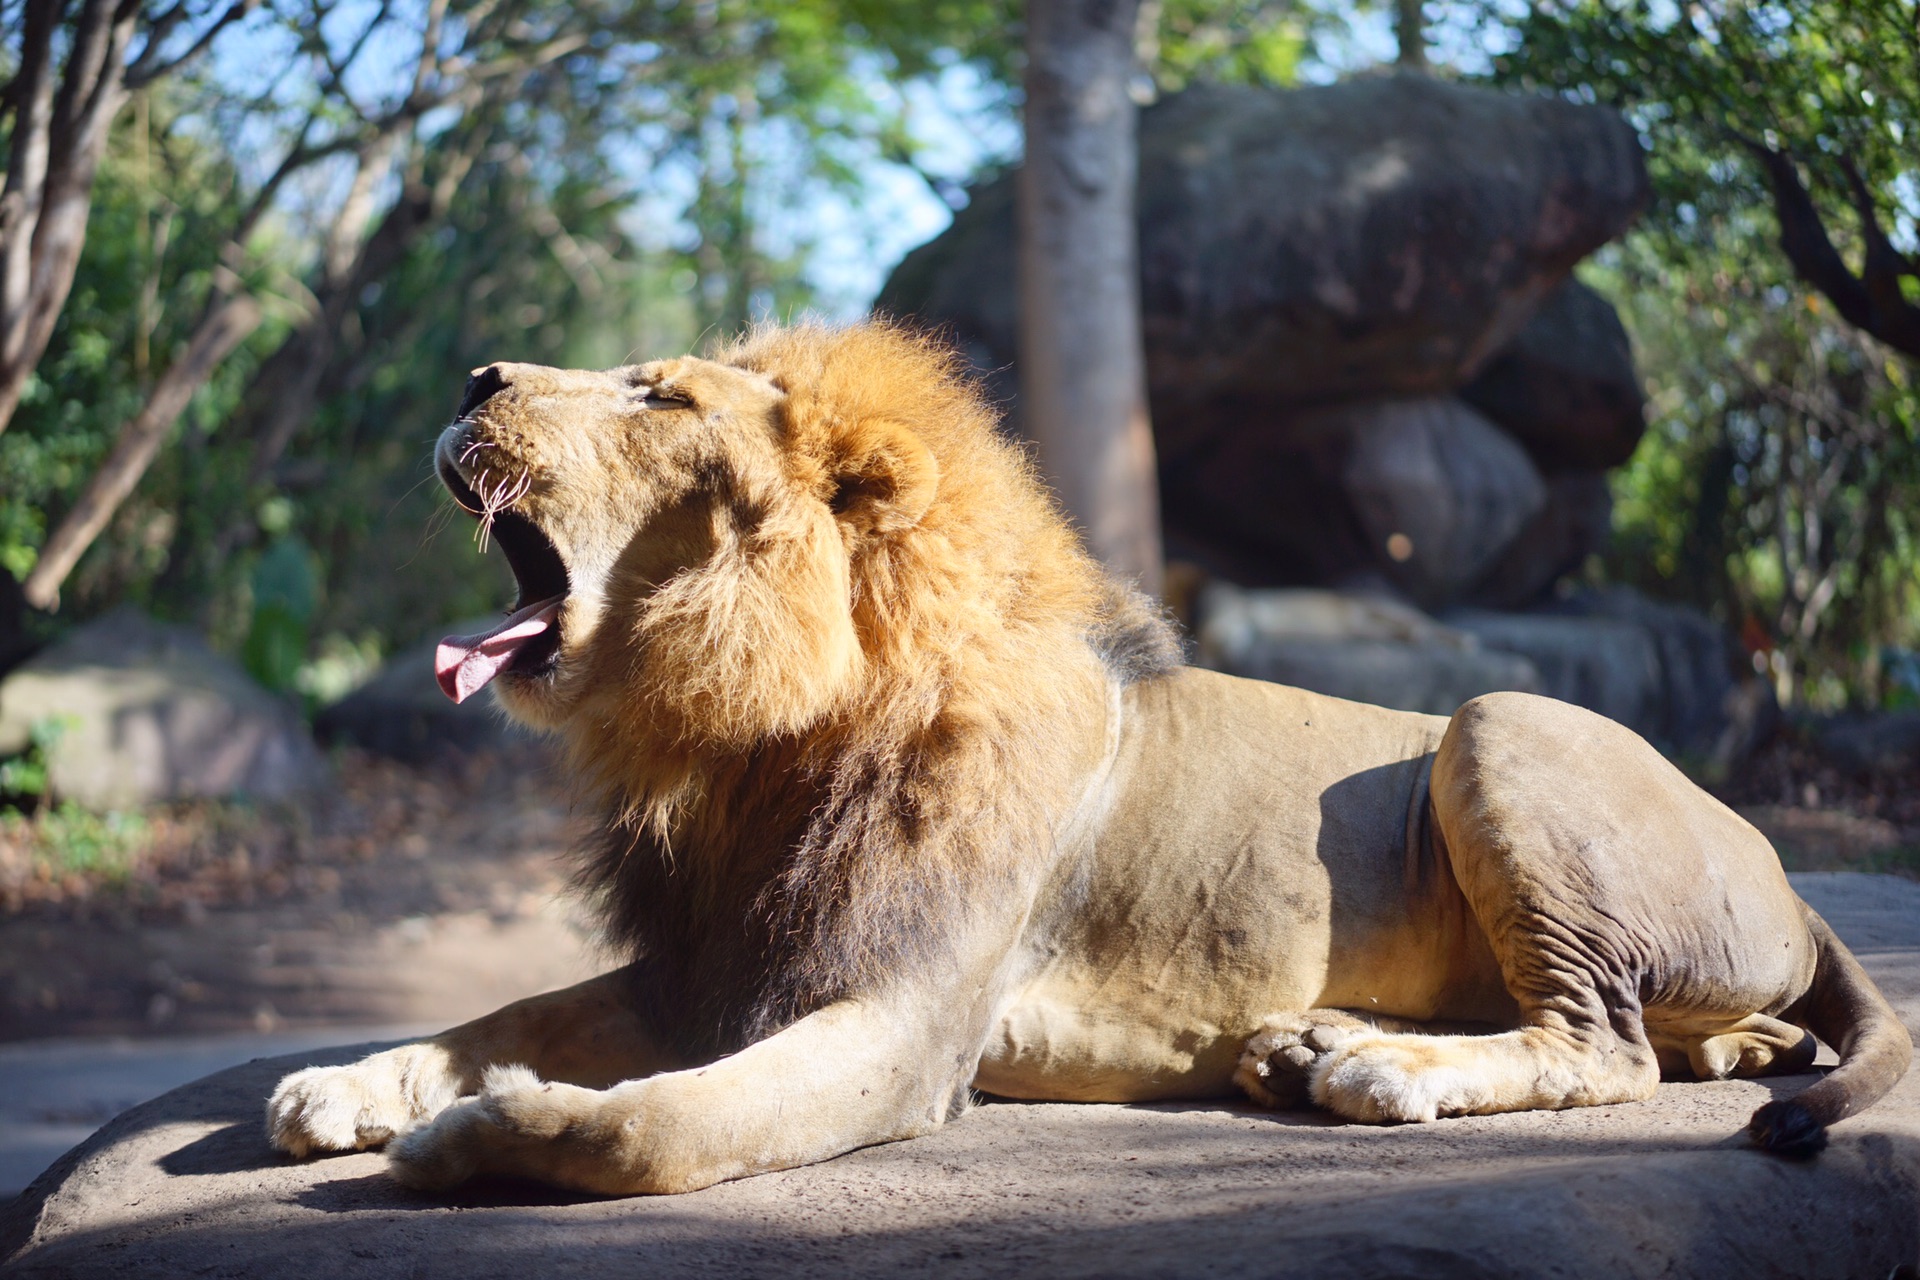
<point x="185" y="1185"/>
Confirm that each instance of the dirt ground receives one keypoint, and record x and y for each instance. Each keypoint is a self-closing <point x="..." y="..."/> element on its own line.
<point x="402" y="896"/>
<point x="430" y="895"/>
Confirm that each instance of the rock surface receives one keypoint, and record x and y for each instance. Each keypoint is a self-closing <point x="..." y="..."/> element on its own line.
<point x="185" y="1186"/>
<point x="1425" y="495"/>
<point x="1440" y="493"/>
<point x="1565" y="386"/>
<point x="1887" y="743"/>
<point x="150" y="712"/>
<point x="1575" y="522"/>
<point x="1707" y="702"/>
<point x="1602" y="664"/>
<point x="402" y="714"/>
<point x="1665" y="672"/>
<point x="1365" y="648"/>
<point x="1382" y="236"/>
<point x="1315" y="263"/>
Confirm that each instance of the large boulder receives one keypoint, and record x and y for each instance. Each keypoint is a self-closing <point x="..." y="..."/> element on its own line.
<point x="1320" y="270"/>
<point x="1573" y="524"/>
<point x="142" y="712"/>
<point x="1884" y="743"/>
<point x="1668" y="672"/>
<point x="1361" y="647"/>
<point x="1602" y="664"/>
<point x="1383" y="236"/>
<point x="1708" y="704"/>
<point x="401" y="713"/>
<point x="1565" y="387"/>
<point x="1424" y="495"/>
<point x="1664" y="671"/>
<point x="1438" y="491"/>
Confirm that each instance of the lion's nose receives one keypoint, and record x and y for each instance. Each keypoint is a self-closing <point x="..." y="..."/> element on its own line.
<point x="482" y="385"/>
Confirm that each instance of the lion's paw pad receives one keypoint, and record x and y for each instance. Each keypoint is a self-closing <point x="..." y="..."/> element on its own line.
<point x="1278" y="1064"/>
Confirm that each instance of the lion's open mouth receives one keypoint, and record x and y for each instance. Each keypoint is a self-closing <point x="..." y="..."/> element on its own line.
<point x="528" y="642"/>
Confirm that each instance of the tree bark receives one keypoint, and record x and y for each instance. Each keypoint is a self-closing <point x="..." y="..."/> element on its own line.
<point x="224" y="327"/>
<point x="62" y="133"/>
<point x="60" y="120"/>
<point x="1872" y="301"/>
<point x="1410" y="32"/>
<point x="1083" y="387"/>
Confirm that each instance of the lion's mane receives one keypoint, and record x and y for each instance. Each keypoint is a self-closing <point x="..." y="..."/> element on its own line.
<point x="822" y="750"/>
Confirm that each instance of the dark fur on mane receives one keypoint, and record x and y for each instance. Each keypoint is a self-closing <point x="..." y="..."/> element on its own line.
<point x="1135" y="637"/>
<point x="736" y="947"/>
<point x="739" y="943"/>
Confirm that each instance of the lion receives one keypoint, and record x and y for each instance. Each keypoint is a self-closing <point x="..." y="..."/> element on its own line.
<point x="901" y="797"/>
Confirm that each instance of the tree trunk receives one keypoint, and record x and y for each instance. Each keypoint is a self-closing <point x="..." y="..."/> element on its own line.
<point x="1083" y="387"/>
<point x="225" y="326"/>
<point x="1410" y="31"/>
<point x="59" y="136"/>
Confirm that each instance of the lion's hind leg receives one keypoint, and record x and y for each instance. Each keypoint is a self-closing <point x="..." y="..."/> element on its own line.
<point x="1278" y="1064"/>
<point x="1713" y="1048"/>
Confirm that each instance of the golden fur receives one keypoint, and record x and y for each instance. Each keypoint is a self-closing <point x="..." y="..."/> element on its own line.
<point x="902" y="796"/>
<point x="838" y="698"/>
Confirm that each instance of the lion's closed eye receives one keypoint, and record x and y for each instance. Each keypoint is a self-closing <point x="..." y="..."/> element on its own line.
<point x="657" y="397"/>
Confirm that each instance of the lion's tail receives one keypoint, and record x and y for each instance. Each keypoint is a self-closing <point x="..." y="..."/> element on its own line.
<point x="1846" y="1010"/>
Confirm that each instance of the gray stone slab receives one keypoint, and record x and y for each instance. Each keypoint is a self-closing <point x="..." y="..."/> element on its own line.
<point x="186" y="1185"/>
<point x="55" y="1093"/>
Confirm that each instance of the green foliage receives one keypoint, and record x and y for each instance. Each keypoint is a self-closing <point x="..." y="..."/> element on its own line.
<point x="24" y="780"/>
<point x="162" y="204"/>
<point x="286" y="591"/>
<point x="1781" y="472"/>
<point x="1780" y="476"/>
<point x="1832" y="82"/>
<point x="1227" y="42"/>
<point x="68" y="840"/>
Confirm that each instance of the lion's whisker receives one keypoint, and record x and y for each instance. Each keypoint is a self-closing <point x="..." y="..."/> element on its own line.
<point x="483" y="531"/>
<point x="497" y="496"/>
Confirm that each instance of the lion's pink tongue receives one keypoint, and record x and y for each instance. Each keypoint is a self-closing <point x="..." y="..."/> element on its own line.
<point x="464" y="664"/>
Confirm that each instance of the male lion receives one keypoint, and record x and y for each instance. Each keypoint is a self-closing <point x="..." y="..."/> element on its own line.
<point x="902" y="797"/>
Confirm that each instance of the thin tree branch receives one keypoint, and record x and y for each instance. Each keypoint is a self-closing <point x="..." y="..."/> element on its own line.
<point x="147" y="68"/>
<point x="226" y="324"/>
<point x="1875" y="304"/>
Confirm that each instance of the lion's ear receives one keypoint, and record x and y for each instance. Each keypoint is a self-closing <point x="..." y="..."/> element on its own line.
<point x="884" y="478"/>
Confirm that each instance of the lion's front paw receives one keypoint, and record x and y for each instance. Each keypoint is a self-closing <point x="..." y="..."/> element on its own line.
<point x="364" y="1104"/>
<point x="505" y="1128"/>
<point x="445" y="1153"/>
<point x="1278" y="1064"/>
<point x="1389" y="1079"/>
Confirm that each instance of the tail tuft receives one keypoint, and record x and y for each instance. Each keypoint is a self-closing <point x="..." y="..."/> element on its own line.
<point x="1787" y="1128"/>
